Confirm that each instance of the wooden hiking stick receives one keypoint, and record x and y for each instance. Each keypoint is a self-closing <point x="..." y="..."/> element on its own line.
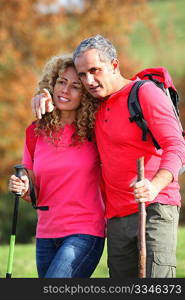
<point x="141" y="225"/>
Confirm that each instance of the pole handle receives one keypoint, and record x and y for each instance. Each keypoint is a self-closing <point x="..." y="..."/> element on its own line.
<point x="19" y="171"/>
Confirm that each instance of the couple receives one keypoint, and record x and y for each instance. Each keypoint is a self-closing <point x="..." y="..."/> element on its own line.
<point x="82" y="103"/>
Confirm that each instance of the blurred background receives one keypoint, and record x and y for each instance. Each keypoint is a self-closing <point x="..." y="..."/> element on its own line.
<point x="145" y="33"/>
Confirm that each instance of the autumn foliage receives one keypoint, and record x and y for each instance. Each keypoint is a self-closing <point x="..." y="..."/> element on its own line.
<point x="34" y="30"/>
<point x="26" y="40"/>
<point x="31" y="32"/>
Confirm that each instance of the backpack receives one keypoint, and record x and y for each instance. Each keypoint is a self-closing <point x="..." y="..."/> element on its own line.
<point x="162" y="79"/>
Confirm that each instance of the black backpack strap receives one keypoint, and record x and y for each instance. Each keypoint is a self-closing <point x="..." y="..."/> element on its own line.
<point x="175" y="99"/>
<point x="136" y="111"/>
<point x="172" y="92"/>
<point x="157" y="82"/>
<point x="33" y="196"/>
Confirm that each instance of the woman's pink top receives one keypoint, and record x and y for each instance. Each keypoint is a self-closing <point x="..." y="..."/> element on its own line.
<point x="67" y="180"/>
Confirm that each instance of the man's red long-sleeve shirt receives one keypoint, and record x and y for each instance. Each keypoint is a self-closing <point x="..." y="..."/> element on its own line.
<point x="120" y="144"/>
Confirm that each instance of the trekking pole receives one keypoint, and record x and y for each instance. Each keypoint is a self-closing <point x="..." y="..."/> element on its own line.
<point x="141" y="225"/>
<point x="19" y="172"/>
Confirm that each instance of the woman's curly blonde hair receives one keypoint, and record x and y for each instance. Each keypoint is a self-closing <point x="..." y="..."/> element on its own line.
<point x="51" y="122"/>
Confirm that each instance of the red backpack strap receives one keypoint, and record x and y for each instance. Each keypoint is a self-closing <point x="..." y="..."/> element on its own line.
<point x="31" y="138"/>
<point x="159" y="73"/>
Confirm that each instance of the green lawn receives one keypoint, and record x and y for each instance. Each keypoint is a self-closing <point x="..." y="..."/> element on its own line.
<point x="24" y="260"/>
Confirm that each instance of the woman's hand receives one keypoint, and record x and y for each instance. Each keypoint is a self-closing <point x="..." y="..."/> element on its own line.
<point x="19" y="185"/>
<point x="42" y="103"/>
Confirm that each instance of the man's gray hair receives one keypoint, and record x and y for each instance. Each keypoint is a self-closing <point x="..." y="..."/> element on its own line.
<point x="103" y="45"/>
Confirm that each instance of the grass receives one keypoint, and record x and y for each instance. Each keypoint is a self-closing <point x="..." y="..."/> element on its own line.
<point x="181" y="253"/>
<point x="24" y="260"/>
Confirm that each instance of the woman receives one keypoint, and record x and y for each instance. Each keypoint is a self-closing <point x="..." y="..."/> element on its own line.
<point x="65" y="167"/>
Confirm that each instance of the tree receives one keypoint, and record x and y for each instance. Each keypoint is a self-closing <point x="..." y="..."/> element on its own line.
<point x="34" y="30"/>
<point x="28" y="37"/>
<point x="34" y="33"/>
<point x="113" y="19"/>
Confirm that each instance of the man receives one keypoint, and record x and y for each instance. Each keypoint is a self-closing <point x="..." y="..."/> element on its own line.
<point x="120" y="145"/>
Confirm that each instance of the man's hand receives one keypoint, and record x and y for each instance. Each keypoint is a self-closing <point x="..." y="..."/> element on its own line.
<point x="42" y="103"/>
<point x="144" y="190"/>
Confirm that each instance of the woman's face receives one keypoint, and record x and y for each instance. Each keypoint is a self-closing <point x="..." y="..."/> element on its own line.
<point x="67" y="91"/>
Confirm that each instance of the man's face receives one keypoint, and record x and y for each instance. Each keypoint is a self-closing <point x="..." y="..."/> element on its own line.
<point x="97" y="76"/>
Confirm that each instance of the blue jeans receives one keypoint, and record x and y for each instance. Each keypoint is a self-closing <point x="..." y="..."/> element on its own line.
<point x="68" y="257"/>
